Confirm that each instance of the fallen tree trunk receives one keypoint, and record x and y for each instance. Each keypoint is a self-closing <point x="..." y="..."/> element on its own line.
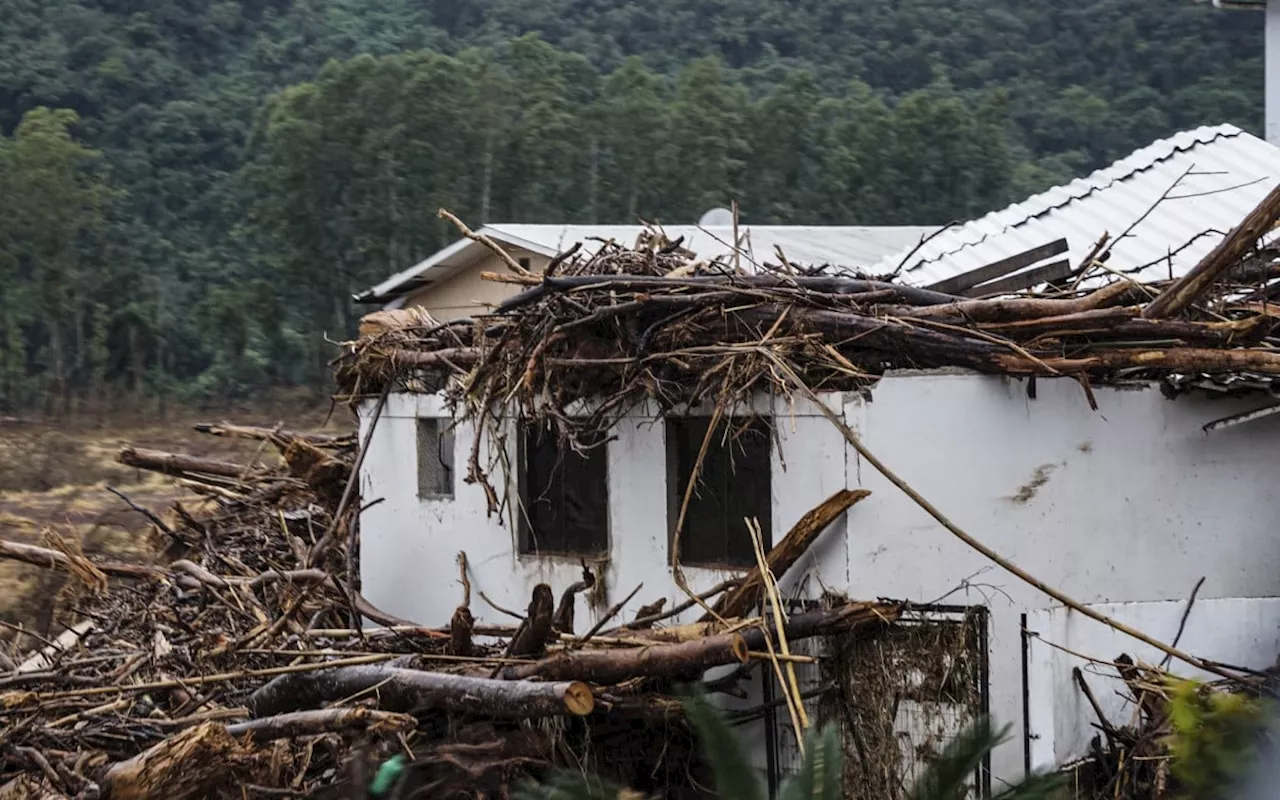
<point x="841" y="619"/>
<point x="1018" y="308"/>
<point x="179" y="463"/>
<point x="190" y="764"/>
<point x="1221" y="259"/>
<point x="52" y="559"/>
<point x="327" y="720"/>
<point x="276" y="435"/>
<point x="824" y="284"/>
<point x="1127" y="323"/>
<point x="845" y="619"/>
<point x="613" y="666"/>
<point x="786" y="552"/>
<point x="409" y="690"/>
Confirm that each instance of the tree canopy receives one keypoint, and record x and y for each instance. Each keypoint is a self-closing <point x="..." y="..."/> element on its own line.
<point x="192" y="190"/>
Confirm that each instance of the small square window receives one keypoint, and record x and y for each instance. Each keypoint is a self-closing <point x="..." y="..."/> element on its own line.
<point x="435" y="459"/>
<point x="733" y="486"/>
<point x="564" y="496"/>
<point x="524" y="262"/>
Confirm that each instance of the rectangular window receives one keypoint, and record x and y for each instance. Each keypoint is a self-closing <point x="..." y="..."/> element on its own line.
<point x="435" y="459"/>
<point x="733" y="485"/>
<point x="564" y="496"/>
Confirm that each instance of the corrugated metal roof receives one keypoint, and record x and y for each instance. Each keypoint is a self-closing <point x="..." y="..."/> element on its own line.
<point x="848" y="246"/>
<point x="1210" y="178"/>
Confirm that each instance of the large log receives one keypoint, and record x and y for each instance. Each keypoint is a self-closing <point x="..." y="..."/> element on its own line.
<point x="786" y="552"/>
<point x="822" y="622"/>
<point x="52" y="559"/>
<point x="410" y="690"/>
<point x="326" y="720"/>
<point x="825" y="284"/>
<point x="190" y="764"/>
<point x="275" y="435"/>
<point x="615" y="665"/>
<point x="1221" y="259"/>
<point x="179" y="463"/>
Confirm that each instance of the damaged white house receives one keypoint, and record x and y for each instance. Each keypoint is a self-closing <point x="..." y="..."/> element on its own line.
<point x="1072" y="463"/>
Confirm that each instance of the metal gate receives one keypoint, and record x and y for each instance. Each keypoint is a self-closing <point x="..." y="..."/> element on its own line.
<point x="898" y="698"/>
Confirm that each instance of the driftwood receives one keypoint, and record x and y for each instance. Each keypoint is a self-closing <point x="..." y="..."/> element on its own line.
<point x="614" y="665"/>
<point x="327" y="720"/>
<point x="411" y="690"/>
<point x="179" y="463"/>
<point x="190" y="764"/>
<point x="786" y="552"/>
<point x="1220" y="260"/>
<point x="563" y="620"/>
<point x="275" y="435"/>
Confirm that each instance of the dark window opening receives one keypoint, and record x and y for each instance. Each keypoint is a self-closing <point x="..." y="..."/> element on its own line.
<point x="564" y="496"/>
<point x="435" y="459"/>
<point x="733" y="486"/>
<point x="524" y="262"/>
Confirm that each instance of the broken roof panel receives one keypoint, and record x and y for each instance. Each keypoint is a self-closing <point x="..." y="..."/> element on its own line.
<point x="1168" y="205"/>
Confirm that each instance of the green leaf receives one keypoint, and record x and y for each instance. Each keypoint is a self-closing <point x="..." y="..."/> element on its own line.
<point x="947" y="775"/>
<point x="736" y="778"/>
<point x="821" y="776"/>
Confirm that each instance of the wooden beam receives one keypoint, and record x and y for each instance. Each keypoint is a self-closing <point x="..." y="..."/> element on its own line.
<point x="967" y="280"/>
<point x="1023" y="280"/>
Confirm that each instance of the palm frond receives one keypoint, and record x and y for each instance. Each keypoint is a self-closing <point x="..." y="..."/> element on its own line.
<point x="946" y="777"/>
<point x="736" y="778"/>
<point x="821" y="775"/>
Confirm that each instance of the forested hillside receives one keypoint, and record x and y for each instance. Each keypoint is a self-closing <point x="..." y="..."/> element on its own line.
<point x="190" y="190"/>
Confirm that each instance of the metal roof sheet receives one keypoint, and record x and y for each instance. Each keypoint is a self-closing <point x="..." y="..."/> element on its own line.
<point x="847" y="246"/>
<point x="1171" y="201"/>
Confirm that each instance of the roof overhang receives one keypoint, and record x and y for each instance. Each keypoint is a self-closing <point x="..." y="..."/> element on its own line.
<point x="443" y="264"/>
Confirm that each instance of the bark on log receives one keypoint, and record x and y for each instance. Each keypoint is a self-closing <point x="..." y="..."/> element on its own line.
<point x="848" y="618"/>
<point x="278" y="436"/>
<point x="179" y="463"/>
<point x="615" y="665"/>
<point x="327" y="720"/>
<point x="190" y="764"/>
<point x="785" y="553"/>
<point x="52" y="559"/>
<point x="829" y="285"/>
<point x="1229" y="252"/>
<point x="409" y="690"/>
<point x="1178" y="359"/>
<point x="1128" y="323"/>
<point x="1018" y="308"/>
<point x="841" y="619"/>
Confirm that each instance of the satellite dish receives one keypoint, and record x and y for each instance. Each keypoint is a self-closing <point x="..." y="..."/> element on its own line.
<point x="717" y="218"/>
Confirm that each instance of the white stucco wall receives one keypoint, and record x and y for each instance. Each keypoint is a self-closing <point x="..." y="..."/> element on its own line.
<point x="1130" y="503"/>
<point x="1239" y="631"/>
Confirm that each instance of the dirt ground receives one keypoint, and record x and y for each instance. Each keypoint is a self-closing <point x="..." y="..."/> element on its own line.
<point x="54" y="474"/>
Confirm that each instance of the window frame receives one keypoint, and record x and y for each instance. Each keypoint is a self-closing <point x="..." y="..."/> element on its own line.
<point x="531" y="543"/>
<point x="445" y="441"/>
<point x="677" y="481"/>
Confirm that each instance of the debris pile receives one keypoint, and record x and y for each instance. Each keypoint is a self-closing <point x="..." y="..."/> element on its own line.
<point x="1180" y="737"/>
<point x="620" y="326"/>
<point x="235" y="665"/>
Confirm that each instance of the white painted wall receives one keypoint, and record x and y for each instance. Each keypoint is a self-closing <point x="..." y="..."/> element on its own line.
<point x="1134" y="503"/>
<point x="1240" y="631"/>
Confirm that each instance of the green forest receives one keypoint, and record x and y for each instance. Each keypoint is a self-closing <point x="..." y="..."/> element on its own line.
<point x="190" y="190"/>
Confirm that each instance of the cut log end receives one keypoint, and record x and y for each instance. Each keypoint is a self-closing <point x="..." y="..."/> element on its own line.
<point x="578" y="699"/>
<point x="739" y="648"/>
